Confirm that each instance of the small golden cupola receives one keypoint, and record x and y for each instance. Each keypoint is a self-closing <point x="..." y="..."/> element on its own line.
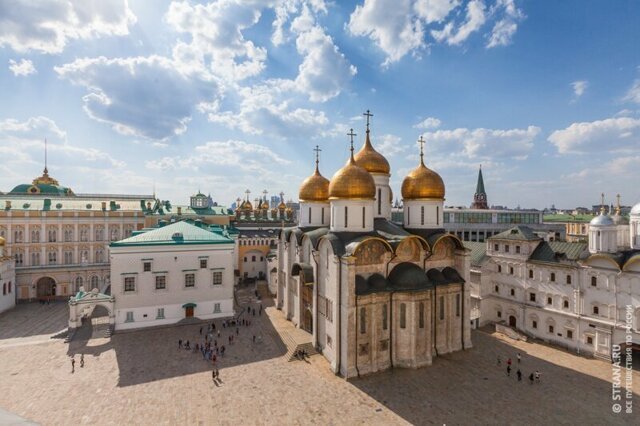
<point x="352" y="182"/>
<point x="422" y="183"/>
<point x="370" y="159"/>
<point x="315" y="188"/>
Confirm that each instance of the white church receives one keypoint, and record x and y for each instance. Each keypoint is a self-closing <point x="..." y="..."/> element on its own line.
<point x="372" y="294"/>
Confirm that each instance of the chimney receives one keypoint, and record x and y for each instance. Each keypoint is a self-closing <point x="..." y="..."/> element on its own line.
<point x="7" y="205"/>
<point x="179" y="211"/>
<point x="104" y="205"/>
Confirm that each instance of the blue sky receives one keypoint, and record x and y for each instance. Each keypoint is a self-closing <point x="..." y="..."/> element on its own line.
<point x="234" y="94"/>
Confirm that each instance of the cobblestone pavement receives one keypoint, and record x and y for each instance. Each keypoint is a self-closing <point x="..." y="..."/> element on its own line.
<point x="143" y="378"/>
<point x="33" y="323"/>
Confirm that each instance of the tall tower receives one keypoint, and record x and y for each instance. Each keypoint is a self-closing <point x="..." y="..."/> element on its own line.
<point x="480" y="197"/>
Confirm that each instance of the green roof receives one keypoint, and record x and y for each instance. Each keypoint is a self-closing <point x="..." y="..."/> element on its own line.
<point x="54" y="203"/>
<point x="177" y="233"/>
<point x="517" y="233"/>
<point x="43" y="189"/>
<point x="478" y="252"/>
<point x="556" y="251"/>
<point x="567" y="218"/>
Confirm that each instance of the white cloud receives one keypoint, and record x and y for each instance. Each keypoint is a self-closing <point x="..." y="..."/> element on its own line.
<point x="22" y="68"/>
<point x="475" y="18"/>
<point x="483" y="143"/>
<point x="434" y="10"/>
<point x="389" y="145"/>
<point x="140" y="96"/>
<point x="27" y="137"/>
<point x="504" y="29"/>
<point x="47" y="26"/>
<point x="325" y="71"/>
<point x="217" y="42"/>
<point x="611" y="134"/>
<point x="428" y="123"/>
<point x="579" y="87"/>
<point x="233" y="154"/>
<point x="391" y="24"/>
<point x="633" y="94"/>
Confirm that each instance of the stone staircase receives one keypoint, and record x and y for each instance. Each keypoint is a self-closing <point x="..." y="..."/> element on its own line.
<point x="307" y="347"/>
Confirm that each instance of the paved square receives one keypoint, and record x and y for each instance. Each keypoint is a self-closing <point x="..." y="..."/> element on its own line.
<point x="142" y="378"/>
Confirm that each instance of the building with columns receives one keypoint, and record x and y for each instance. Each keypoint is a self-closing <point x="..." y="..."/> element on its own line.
<point x="584" y="296"/>
<point x="7" y="279"/>
<point x="373" y="294"/>
<point x="60" y="239"/>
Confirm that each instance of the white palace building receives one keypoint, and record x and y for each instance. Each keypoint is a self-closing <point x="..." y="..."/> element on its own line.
<point x="585" y="297"/>
<point x="372" y="294"/>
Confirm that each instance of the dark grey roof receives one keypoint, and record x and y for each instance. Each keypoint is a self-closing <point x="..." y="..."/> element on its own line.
<point x="558" y="252"/>
<point x="407" y="277"/>
<point x="258" y="233"/>
<point x="478" y="252"/>
<point x="517" y="233"/>
<point x="305" y="270"/>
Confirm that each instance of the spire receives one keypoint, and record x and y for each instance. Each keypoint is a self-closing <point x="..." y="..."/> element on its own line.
<point x="480" y="184"/>
<point x="46" y="172"/>
<point x="317" y="150"/>
<point x="367" y="141"/>
<point x="602" y="203"/>
<point x="480" y="197"/>
<point x="421" y="141"/>
<point x="618" y="205"/>
<point x="351" y="160"/>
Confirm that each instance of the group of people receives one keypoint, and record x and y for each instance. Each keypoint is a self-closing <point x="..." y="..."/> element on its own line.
<point x="533" y="377"/>
<point x="209" y="348"/>
<point x="73" y="363"/>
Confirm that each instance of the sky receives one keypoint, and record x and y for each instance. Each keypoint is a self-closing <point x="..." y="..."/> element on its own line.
<point x="224" y="96"/>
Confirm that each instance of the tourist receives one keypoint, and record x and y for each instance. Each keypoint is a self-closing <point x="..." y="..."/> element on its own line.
<point x="537" y="376"/>
<point x="180" y="344"/>
<point x="187" y="345"/>
<point x="519" y="373"/>
<point x="213" y="375"/>
<point x="213" y="325"/>
<point x="73" y="364"/>
<point x="254" y="338"/>
<point x="218" y="334"/>
<point x="201" y="331"/>
<point x="260" y="311"/>
<point x="254" y="312"/>
<point x="499" y="360"/>
<point x="519" y="357"/>
<point x="81" y="360"/>
<point x="508" y="370"/>
<point x="237" y="331"/>
<point x="509" y="361"/>
<point x="531" y="378"/>
<point x="217" y="374"/>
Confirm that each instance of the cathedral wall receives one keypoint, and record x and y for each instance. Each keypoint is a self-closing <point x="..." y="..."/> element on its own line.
<point x="372" y="333"/>
<point x="326" y="309"/>
<point x="347" y="215"/>
<point x="314" y="214"/>
<point x="382" y="206"/>
<point x="347" y="321"/>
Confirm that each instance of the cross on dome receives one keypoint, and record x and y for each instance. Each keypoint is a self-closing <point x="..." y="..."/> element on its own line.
<point x="368" y="115"/>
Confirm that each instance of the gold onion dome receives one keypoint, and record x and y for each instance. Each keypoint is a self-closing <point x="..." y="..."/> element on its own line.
<point x="371" y="160"/>
<point x="265" y="205"/>
<point x="422" y="183"/>
<point x="352" y="182"/>
<point x="2" y="241"/>
<point x="282" y="205"/>
<point x="315" y="187"/>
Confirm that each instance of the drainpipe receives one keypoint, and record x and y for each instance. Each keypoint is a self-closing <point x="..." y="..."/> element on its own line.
<point x="339" y="318"/>
<point x="462" y="313"/>
<point x="390" y="325"/>
<point x="357" y="314"/>
<point x="433" y="322"/>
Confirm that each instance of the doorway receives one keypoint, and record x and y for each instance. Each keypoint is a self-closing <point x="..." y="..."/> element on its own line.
<point x="188" y="312"/>
<point x="512" y="321"/>
<point x="46" y="287"/>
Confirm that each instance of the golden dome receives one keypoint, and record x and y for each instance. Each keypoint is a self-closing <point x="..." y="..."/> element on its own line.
<point x="314" y="188"/>
<point x="247" y="205"/>
<point x="282" y="205"/>
<point x="352" y="182"/>
<point x="421" y="183"/>
<point x="371" y="160"/>
<point x="2" y="241"/>
<point x="265" y="205"/>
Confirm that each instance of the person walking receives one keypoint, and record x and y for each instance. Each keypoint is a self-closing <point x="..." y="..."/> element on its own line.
<point x="81" y="360"/>
<point x="508" y="370"/>
<point x="499" y="360"/>
<point x="531" y="378"/>
<point x="254" y="338"/>
<point x="537" y="375"/>
<point x="519" y="357"/>
<point x="213" y="375"/>
<point x="509" y="362"/>
<point x="180" y="344"/>
<point x="73" y="365"/>
<point x="218" y="371"/>
<point x="519" y="374"/>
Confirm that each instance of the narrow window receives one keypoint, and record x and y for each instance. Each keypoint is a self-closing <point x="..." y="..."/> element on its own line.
<point x="530" y="273"/>
<point x="421" y="315"/>
<point x="511" y="270"/>
<point x="129" y="317"/>
<point x="408" y="215"/>
<point x="216" y="308"/>
<point x="421" y="215"/>
<point x="553" y="277"/>
<point x="363" y="320"/>
<point x="203" y="263"/>
<point x="322" y="219"/>
<point x="594" y="281"/>
<point x="513" y="292"/>
<point x="589" y="340"/>
<point x="518" y="249"/>
<point x="532" y="297"/>
<point x="437" y="215"/>
<point x="441" y="307"/>
<point x="506" y="248"/>
<point x="403" y="315"/>
<point x="496" y="289"/>
<point x="130" y="284"/>
<point x="596" y="310"/>
<point x="363" y="216"/>
<point x="379" y="201"/>
<point x="496" y="247"/>
<point x="217" y="278"/>
<point x="500" y="268"/>
<point x="551" y="329"/>
<point x="549" y="301"/>
<point x="568" y="279"/>
<point x="160" y="314"/>
<point x="384" y="317"/>
<point x="309" y="214"/>
<point x="146" y="266"/>
<point x="190" y="280"/>
<point x="457" y="305"/>
<point x="161" y="282"/>
<point x="565" y="304"/>
<point x="569" y="334"/>
<point x="534" y="324"/>
<point x="346" y="216"/>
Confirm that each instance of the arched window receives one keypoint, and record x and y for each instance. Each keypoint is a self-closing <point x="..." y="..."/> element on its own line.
<point x="594" y="281"/>
<point x="596" y="310"/>
<point x="78" y="284"/>
<point x="94" y="282"/>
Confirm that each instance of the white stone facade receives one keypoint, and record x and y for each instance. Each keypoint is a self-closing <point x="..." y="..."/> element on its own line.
<point x="7" y="280"/>
<point x="162" y="284"/>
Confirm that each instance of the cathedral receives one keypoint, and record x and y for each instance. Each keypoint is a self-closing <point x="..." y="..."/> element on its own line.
<point x="373" y="294"/>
